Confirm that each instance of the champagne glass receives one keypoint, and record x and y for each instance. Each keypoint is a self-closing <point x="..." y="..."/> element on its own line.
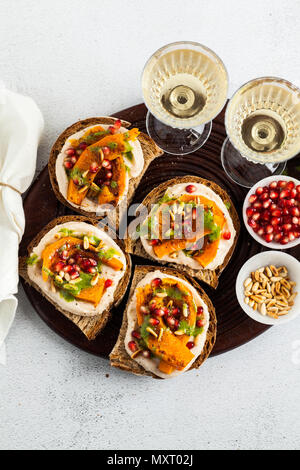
<point x="263" y="126"/>
<point x="185" y="86"/>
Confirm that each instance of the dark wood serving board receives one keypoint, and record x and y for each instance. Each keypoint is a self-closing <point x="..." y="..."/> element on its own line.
<point x="234" y="326"/>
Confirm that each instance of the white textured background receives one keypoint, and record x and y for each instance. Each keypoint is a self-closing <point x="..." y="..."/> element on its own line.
<point x="80" y="58"/>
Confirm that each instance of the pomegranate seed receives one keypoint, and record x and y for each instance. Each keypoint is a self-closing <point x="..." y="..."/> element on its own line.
<point x="93" y="262"/>
<point x="108" y="283"/>
<point x="191" y="188"/>
<point x="290" y="185"/>
<point x="190" y="344"/>
<point x="252" y="198"/>
<point x="200" y="311"/>
<point x="70" y="152"/>
<point x="255" y="216"/>
<point x="266" y="216"/>
<point x="281" y="184"/>
<point x="267" y="203"/>
<point x="294" y="211"/>
<point x="257" y="205"/>
<point x="82" y="145"/>
<point x="68" y="268"/>
<point x="71" y="261"/>
<point x="274" y="195"/>
<point x="291" y="237"/>
<point x="64" y="254"/>
<point x="136" y="334"/>
<point x="146" y="354"/>
<point x="156" y="282"/>
<point x="94" y="168"/>
<point x="278" y="237"/>
<point x="159" y="312"/>
<point x="275" y="220"/>
<point x="259" y="191"/>
<point x="252" y="223"/>
<point x="105" y="163"/>
<point x="109" y="175"/>
<point x="269" y="229"/>
<point x="276" y="213"/>
<point x="260" y="232"/>
<point x="284" y="240"/>
<point x="76" y="268"/>
<point x="289" y="202"/>
<point x="74" y="275"/>
<point x="269" y="237"/>
<point x="154" y="242"/>
<point x="295" y="220"/>
<point x="153" y="321"/>
<point x="249" y="211"/>
<point x="200" y="323"/>
<point x="273" y="206"/>
<point x="285" y="194"/>
<point x="92" y="271"/>
<point x="293" y="192"/>
<point x="76" y="182"/>
<point x="106" y="151"/>
<point x="112" y="129"/>
<point x="264" y="196"/>
<point x="132" y="346"/>
<point x="118" y="124"/>
<point x="287" y="219"/>
<point x="286" y="227"/>
<point x="227" y="235"/>
<point x="171" y="321"/>
<point x="59" y="267"/>
<point x="273" y="185"/>
<point x="68" y="165"/>
<point x="175" y="311"/>
<point x="298" y="188"/>
<point x="285" y="211"/>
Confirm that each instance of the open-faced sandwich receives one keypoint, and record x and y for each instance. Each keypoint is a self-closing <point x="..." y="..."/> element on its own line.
<point x="80" y="269"/>
<point x="182" y="202"/>
<point x="169" y="325"/>
<point x="97" y="163"/>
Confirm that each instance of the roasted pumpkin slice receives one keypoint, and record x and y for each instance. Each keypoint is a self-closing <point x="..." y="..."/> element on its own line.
<point x="93" y="294"/>
<point x="171" y="350"/>
<point x="170" y="246"/>
<point x="209" y="253"/>
<point x="91" y="155"/>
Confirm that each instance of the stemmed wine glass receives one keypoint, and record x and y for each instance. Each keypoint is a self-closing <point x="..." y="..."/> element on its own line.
<point x="263" y="126"/>
<point x="185" y="86"/>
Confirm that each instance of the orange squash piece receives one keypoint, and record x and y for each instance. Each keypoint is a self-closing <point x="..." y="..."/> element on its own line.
<point x="90" y="155"/>
<point x="209" y="253"/>
<point x="165" y="367"/>
<point x="50" y="251"/>
<point x="93" y="294"/>
<point x="113" y="263"/>
<point x="171" y="350"/>
<point x="169" y="246"/>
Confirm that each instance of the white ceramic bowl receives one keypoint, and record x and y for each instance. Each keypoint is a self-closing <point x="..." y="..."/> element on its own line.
<point x="277" y="258"/>
<point x="266" y="182"/>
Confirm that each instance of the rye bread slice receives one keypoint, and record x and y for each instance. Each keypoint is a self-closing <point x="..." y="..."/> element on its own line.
<point x="149" y="148"/>
<point x="90" y="326"/>
<point x="119" y="356"/>
<point x="208" y="276"/>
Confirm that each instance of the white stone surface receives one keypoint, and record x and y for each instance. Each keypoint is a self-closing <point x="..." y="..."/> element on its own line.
<point x="80" y="58"/>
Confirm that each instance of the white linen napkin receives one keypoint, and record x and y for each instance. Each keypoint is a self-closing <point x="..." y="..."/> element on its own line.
<point x="21" y="126"/>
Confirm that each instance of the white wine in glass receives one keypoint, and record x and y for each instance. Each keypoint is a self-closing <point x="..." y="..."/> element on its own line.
<point x="263" y="127"/>
<point x="185" y="86"/>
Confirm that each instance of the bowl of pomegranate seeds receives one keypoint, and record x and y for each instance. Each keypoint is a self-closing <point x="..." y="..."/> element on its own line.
<point x="271" y="212"/>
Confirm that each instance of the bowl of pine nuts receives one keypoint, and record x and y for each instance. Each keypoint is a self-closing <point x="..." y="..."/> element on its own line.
<point x="266" y="287"/>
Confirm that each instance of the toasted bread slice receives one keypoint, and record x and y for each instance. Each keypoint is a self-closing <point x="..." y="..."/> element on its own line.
<point x="89" y="325"/>
<point x="208" y="276"/>
<point x="149" y="148"/>
<point x="119" y="356"/>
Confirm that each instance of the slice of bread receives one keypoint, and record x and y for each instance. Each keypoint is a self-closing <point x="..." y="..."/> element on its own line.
<point x="90" y="326"/>
<point x="149" y="148"/>
<point x="208" y="276"/>
<point x="119" y="356"/>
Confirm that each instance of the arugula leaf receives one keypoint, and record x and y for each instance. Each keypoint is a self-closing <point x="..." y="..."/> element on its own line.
<point x="66" y="296"/>
<point x="114" y="184"/>
<point x="189" y="329"/>
<point x="32" y="260"/>
<point x="107" y="254"/>
<point x="129" y="156"/>
<point x="172" y="292"/>
<point x="83" y="283"/>
<point x="76" y="173"/>
<point x="144" y="332"/>
<point x="215" y="234"/>
<point x="165" y="198"/>
<point x="112" y="145"/>
<point x="94" y="240"/>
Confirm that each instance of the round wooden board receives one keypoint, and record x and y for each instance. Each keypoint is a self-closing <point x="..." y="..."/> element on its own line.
<point x="234" y="326"/>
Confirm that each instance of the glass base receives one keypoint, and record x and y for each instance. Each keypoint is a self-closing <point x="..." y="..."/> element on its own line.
<point x="177" y="141"/>
<point x="244" y="172"/>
